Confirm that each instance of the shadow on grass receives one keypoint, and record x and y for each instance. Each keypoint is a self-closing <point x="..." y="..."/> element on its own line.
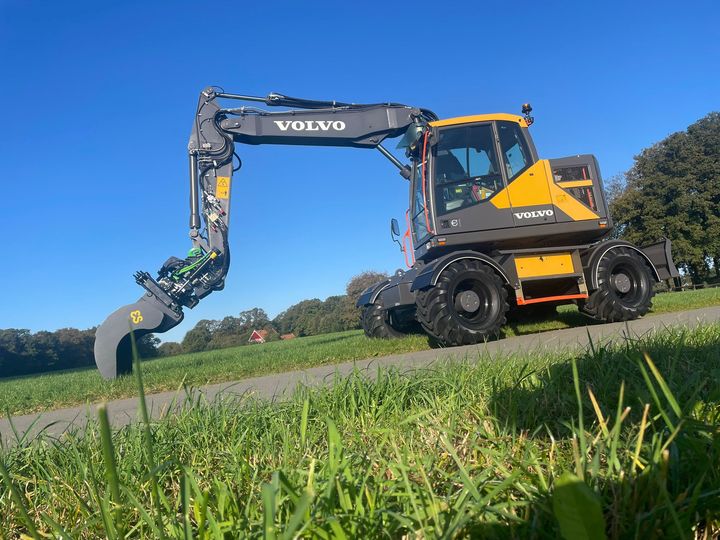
<point x="532" y="322"/>
<point x="683" y="401"/>
<point x="544" y="397"/>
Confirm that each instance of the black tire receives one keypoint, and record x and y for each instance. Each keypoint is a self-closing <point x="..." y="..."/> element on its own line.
<point x="447" y="320"/>
<point x="376" y="323"/>
<point x="625" y="287"/>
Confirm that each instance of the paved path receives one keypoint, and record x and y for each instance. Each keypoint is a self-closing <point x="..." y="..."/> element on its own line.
<point x="124" y="411"/>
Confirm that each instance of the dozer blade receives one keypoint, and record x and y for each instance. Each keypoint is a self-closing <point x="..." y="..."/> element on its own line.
<point x="113" y="347"/>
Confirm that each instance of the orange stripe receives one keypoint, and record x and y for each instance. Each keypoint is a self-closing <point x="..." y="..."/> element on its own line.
<point x="523" y="302"/>
<point x="409" y="238"/>
<point x="574" y="183"/>
<point x="480" y="118"/>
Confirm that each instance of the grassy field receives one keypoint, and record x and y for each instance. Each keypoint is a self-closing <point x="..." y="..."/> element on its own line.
<point x="53" y="390"/>
<point x="622" y="442"/>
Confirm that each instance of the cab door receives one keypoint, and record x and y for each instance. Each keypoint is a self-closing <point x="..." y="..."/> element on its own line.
<point x="531" y="201"/>
<point x="468" y="180"/>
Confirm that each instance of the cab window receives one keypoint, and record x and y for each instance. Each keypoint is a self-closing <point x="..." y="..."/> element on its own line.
<point x="466" y="167"/>
<point x="514" y="149"/>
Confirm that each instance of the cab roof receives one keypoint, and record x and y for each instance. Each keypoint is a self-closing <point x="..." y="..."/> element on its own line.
<point x="480" y="118"/>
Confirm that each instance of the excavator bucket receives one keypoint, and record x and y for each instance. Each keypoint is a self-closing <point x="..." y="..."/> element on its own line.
<point x="113" y="346"/>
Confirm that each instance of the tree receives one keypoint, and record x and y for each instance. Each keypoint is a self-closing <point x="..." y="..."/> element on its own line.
<point x="16" y="351"/>
<point x="299" y="318"/>
<point x="673" y="191"/>
<point x="170" y="348"/>
<point x="147" y="346"/>
<point x="196" y="340"/>
<point x="355" y="287"/>
<point x="75" y="347"/>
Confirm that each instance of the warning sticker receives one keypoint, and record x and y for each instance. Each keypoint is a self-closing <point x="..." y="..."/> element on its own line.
<point x="223" y="187"/>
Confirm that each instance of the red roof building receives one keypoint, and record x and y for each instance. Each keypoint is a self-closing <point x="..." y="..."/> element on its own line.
<point x="258" y="336"/>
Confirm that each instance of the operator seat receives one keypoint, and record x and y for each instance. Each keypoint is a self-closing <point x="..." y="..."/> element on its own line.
<point x="447" y="170"/>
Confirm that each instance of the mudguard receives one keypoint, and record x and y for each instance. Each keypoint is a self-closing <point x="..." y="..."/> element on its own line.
<point x="366" y="298"/>
<point x="391" y="293"/>
<point x="430" y="273"/>
<point x="657" y="255"/>
<point x="113" y="347"/>
<point x="661" y="258"/>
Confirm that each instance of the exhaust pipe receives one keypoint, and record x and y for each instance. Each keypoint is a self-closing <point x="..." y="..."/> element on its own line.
<point x="113" y="346"/>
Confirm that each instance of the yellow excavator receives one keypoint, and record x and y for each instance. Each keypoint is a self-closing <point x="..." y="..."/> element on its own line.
<point x="491" y="227"/>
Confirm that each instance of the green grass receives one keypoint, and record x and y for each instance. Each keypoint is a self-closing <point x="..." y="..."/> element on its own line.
<point x="609" y="441"/>
<point x="53" y="390"/>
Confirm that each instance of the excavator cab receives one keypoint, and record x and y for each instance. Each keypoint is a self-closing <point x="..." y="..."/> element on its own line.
<point x="477" y="182"/>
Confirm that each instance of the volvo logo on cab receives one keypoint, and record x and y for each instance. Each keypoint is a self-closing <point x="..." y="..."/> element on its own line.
<point x="310" y="125"/>
<point x="533" y="214"/>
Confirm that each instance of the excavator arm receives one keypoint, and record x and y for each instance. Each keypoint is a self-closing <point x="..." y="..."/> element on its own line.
<point x="183" y="282"/>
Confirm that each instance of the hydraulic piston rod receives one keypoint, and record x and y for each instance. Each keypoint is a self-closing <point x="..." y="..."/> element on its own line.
<point x="194" y="203"/>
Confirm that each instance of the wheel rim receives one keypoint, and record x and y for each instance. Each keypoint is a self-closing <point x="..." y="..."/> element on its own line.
<point x="471" y="301"/>
<point x="626" y="283"/>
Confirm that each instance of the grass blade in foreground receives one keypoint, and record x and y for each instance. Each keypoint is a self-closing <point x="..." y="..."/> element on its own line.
<point x="577" y="509"/>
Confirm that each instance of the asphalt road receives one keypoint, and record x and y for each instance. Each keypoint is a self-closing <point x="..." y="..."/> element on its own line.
<point x="124" y="411"/>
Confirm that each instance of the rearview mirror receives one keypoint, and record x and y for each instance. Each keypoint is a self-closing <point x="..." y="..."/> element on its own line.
<point x="395" y="232"/>
<point x="394" y="228"/>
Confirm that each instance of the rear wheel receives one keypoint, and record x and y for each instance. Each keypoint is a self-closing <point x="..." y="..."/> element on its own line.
<point x="466" y="306"/>
<point x="377" y="324"/>
<point x="625" y="287"/>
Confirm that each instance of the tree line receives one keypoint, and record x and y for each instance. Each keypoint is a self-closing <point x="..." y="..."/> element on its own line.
<point x="23" y="352"/>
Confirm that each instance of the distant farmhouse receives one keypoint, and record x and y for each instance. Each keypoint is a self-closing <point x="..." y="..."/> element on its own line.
<point x="258" y="336"/>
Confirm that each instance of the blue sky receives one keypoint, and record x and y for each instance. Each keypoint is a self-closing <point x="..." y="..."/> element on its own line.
<point x="98" y="99"/>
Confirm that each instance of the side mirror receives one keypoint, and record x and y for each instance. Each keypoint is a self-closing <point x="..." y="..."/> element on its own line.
<point x="394" y="227"/>
<point x="395" y="232"/>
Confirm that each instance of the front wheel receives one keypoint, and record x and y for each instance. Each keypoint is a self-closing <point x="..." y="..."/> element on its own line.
<point x="465" y="307"/>
<point x="625" y="287"/>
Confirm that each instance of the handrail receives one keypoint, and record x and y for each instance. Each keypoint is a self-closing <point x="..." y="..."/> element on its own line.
<point x="424" y="180"/>
<point x="409" y="238"/>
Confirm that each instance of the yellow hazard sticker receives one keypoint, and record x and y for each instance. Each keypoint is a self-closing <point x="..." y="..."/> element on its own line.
<point x="223" y="187"/>
<point x="136" y="316"/>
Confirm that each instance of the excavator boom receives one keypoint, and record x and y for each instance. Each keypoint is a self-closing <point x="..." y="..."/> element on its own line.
<point x="183" y="282"/>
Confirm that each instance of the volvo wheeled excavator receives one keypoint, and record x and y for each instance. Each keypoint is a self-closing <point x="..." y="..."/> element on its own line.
<point x="491" y="227"/>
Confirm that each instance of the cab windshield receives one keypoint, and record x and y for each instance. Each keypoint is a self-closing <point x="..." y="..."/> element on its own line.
<point x="466" y="167"/>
